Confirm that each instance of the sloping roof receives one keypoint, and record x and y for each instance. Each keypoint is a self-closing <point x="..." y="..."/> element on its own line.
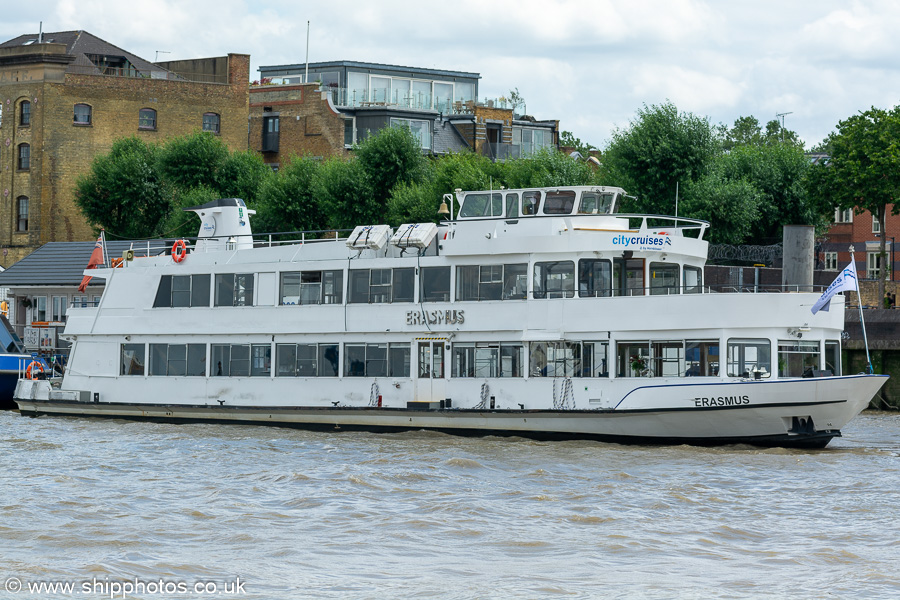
<point x="447" y="138"/>
<point x="62" y="264"/>
<point x="80" y="44"/>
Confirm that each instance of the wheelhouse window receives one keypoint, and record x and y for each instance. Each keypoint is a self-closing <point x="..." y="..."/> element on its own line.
<point x="531" y="203"/>
<point x="181" y="291"/>
<point x="234" y="289"/>
<point x="22" y="213"/>
<point x="481" y="205"/>
<point x="559" y="203"/>
<point x="488" y="359"/>
<point x="147" y="119"/>
<point x="25" y="113"/>
<point x="307" y="360"/>
<point x="797" y="358"/>
<point x="379" y="286"/>
<point x="178" y="360"/>
<point x="693" y="280"/>
<point x="24" y="162"/>
<point x="133" y="359"/>
<point x="435" y="284"/>
<point x="595" y="203"/>
<point x="211" y="122"/>
<point x="594" y="278"/>
<point x="477" y="283"/>
<point x="663" y="278"/>
<point x="554" y="279"/>
<point x="82" y="114"/>
<point x="749" y="357"/>
<point x="833" y="357"/>
<point x="312" y="287"/>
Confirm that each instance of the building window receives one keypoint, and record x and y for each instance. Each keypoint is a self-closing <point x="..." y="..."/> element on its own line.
<point x="831" y="261"/>
<point x="82" y="114"/>
<point x="876" y="224"/>
<point x="349" y="136"/>
<point x="873" y="265"/>
<point x="420" y="130"/>
<point x="24" y="157"/>
<point x="270" y="134"/>
<point x="22" y="216"/>
<point x="58" y="308"/>
<point x="843" y="215"/>
<point x="147" y="118"/>
<point x="40" y="309"/>
<point x="211" y="122"/>
<point x="25" y="113"/>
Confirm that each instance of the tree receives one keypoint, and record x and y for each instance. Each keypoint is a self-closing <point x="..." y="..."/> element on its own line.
<point x="289" y="200"/>
<point x="192" y="160"/>
<point x="242" y="175"/>
<point x="659" y="149"/>
<point x="864" y="170"/>
<point x="390" y="157"/>
<point x="124" y="192"/>
<point x="547" y="167"/>
<point x="731" y="206"/>
<point x="567" y="139"/>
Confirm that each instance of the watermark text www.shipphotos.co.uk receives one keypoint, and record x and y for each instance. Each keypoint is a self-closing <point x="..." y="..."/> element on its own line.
<point x="123" y="588"/>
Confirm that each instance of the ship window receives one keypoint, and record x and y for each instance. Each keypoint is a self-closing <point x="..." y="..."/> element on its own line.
<point x="487" y="360"/>
<point x="594" y="278"/>
<point x="693" y="280"/>
<point x="667" y="359"/>
<point x="512" y="206"/>
<point x="797" y="358"/>
<point x="182" y="291"/>
<point x="554" y="359"/>
<point x="749" y="356"/>
<point x="554" y="279"/>
<point x="531" y="203"/>
<point x="628" y="277"/>
<point x="133" y="359"/>
<point x="833" y="357"/>
<point x="376" y="286"/>
<point x="481" y="205"/>
<point x="239" y="365"/>
<point x="306" y="360"/>
<point x="663" y="278"/>
<point x="594" y="359"/>
<point x="633" y="359"/>
<point x="559" y="203"/>
<point x="178" y="360"/>
<point x="701" y="358"/>
<point x="312" y="287"/>
<point x="260" y="360"/>
<point x="435" y="284"/>
<point x="234" y="289"/>
<point x="595" y="203"/>
<point x="491" y="282"/>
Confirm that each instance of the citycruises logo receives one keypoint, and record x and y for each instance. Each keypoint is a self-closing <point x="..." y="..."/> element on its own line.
<point x="643" y="241"/>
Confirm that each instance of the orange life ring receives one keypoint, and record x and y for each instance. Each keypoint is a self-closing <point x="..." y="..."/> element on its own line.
<point x="179" y="251"/>
<point x="33" y="375"/>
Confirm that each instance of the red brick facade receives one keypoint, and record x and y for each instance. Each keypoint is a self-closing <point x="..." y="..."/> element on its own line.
<point x="860" y="233"/>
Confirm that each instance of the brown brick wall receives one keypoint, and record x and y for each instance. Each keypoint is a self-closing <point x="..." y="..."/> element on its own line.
<point x="62" y="151"/>
<point x="308" y="124"/>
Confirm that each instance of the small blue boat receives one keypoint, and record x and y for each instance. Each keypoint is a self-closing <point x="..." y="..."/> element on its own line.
<point x="13" y="363"/>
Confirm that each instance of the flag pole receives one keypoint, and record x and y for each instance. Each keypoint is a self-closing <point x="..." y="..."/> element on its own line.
<point x="103" y="244"/>
<point x="861" y="321"/>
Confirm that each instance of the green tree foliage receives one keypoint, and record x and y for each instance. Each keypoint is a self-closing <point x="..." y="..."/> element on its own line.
<point x="729" y="205"/>
<point x="864" y="170"/>
<point x="288" y="200"/>
<point x="568" y="140"/>
<point x="392" y="156"/>
<point x="547" y="167"/>
<point x="124" y="192"/>
<point x="242" y="175"/>
<point x="659" y="149"/>
<point x="192" y="160"/>
<point x="747" y="131"/>
<point x="347" y="197"/>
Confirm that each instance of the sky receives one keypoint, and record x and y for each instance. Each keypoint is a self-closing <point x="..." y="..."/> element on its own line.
<point x="591" y="64"/>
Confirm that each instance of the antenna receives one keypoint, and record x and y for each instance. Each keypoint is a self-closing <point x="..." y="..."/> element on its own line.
<point x="782" y="115"/>
<point x="41" y="32"/>
<point x="306" y="75"/>
<point x="158" y="52"/>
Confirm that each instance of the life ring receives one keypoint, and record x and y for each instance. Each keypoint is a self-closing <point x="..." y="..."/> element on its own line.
<point x="179" y="251"/>
<point x="29" y="374"/>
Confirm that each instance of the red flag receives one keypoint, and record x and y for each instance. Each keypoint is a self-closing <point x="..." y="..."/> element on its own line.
<point x="96" y="259"/>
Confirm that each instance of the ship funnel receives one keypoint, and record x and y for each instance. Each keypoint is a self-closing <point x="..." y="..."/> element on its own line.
<point x="224" y="225"/>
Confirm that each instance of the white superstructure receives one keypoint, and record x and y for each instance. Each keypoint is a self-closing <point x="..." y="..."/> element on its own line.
<point x="539" y="312"/>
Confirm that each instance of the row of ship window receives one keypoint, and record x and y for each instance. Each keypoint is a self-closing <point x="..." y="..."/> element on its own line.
<point x="83" y="115"/>
<point x="640" y="358"/>
<point x="557" y="279"/>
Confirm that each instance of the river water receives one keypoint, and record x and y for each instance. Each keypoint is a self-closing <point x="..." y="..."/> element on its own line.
<point x="271" y="513"/>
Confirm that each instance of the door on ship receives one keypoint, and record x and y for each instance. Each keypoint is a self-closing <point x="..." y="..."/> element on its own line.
<point x="431" y="383"/>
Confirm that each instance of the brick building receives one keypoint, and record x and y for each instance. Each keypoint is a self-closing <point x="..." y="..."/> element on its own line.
<point x="67" y="96"/>
<point x="864" y="232"/>
<point x="440" y="107"/>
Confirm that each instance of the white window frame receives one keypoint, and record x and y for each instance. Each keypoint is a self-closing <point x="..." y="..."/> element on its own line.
<point x="424" y="141"/>
<point x="876" y="224"/>
<point x="873" y="265"/>
<point x="843" y="215"/>
<point x="831" y="261"/>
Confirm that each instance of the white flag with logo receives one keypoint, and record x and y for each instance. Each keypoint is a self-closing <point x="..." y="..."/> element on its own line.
<point x="846" y="281"/>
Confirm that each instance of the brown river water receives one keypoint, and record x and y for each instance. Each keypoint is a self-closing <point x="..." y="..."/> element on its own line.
<point x="122" y="509"/>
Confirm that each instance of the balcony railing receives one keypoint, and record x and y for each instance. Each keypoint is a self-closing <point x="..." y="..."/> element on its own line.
<point x="154" y="74"/>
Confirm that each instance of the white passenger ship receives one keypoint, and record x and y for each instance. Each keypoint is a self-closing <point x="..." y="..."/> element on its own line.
<point x="536" y="312"/>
